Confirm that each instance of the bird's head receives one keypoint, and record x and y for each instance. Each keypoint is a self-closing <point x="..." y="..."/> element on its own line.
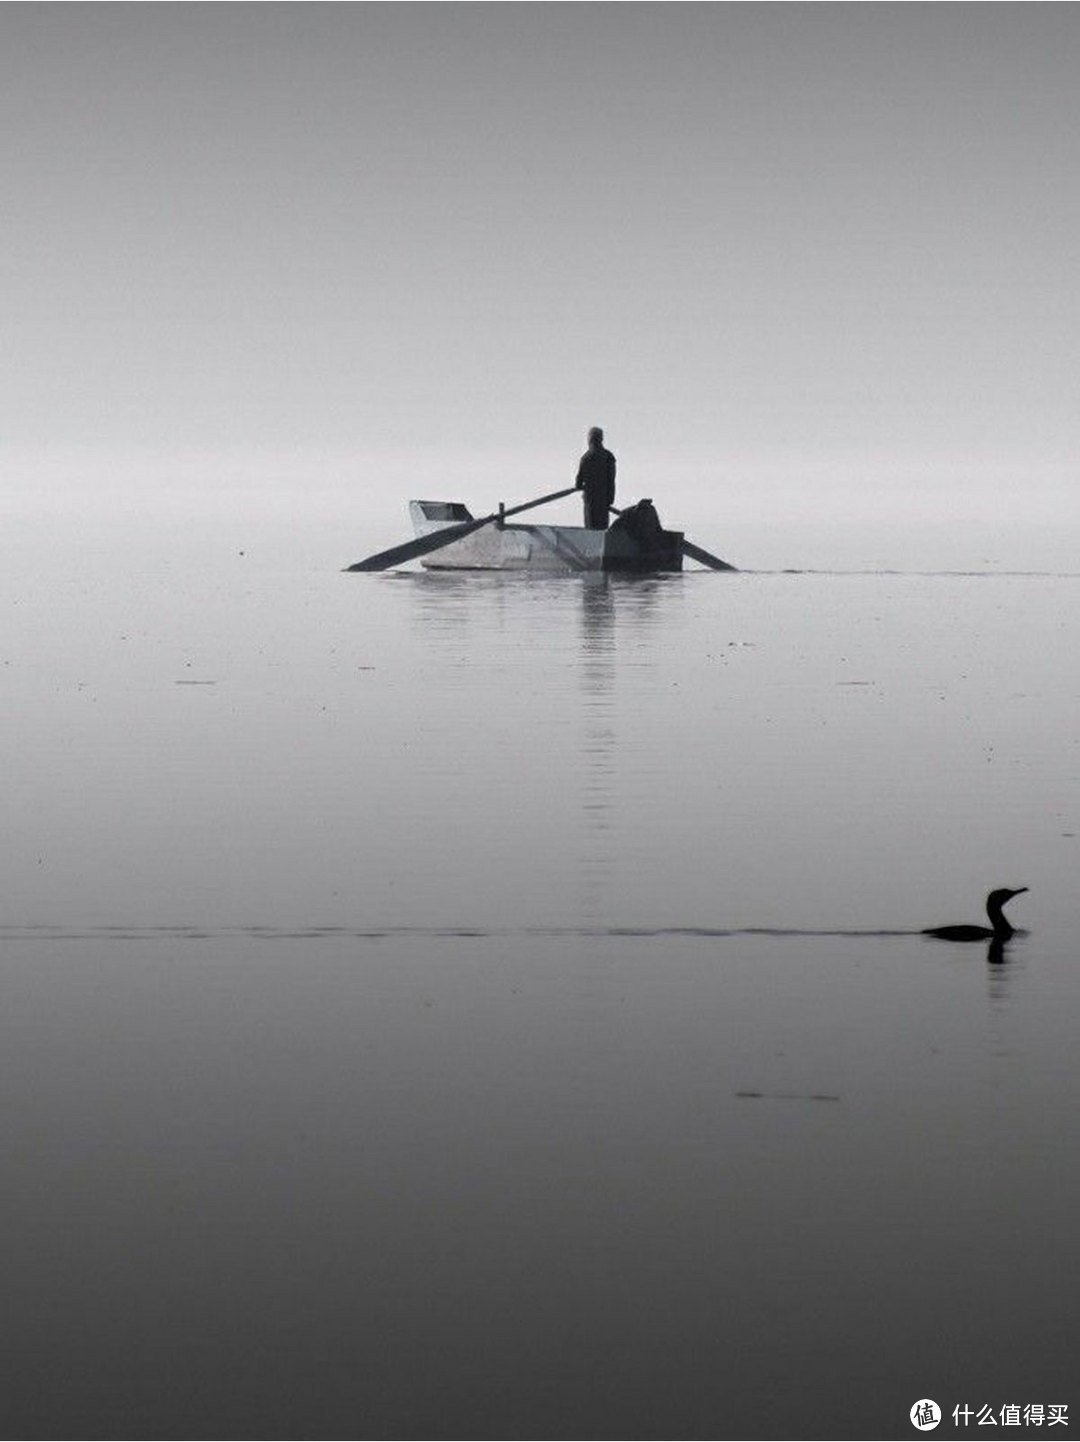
<point x="1003" y="894"/>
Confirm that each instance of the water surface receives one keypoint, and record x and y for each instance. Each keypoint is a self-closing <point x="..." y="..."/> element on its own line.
<point x="482" y="1006"/>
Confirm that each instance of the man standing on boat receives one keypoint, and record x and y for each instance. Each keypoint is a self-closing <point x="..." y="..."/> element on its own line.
<point x="596" y="480"/>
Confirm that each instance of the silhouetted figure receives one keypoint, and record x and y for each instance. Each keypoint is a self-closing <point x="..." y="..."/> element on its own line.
<point x="596" y="478"/>
<point x="998" y="930"/>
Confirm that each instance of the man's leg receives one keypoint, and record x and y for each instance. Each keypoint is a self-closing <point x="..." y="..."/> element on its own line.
<point x="596" y="513"/>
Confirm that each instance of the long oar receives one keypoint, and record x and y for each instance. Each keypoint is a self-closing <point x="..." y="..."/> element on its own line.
<point x="424" y="545"/>
<point x="704" y="558"/>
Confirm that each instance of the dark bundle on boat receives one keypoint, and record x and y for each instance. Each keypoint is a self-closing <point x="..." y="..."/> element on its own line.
<point x="641" y="523"/>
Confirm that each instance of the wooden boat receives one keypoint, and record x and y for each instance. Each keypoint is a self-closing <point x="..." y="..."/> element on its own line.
<point x="464" y="542"/>
<point x="629" y="545"/>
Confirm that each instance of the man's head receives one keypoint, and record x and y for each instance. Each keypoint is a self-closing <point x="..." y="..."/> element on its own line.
<point x="596" y="436"/>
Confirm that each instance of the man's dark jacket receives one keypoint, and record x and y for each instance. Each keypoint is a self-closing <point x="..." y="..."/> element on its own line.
<point x="596" y="477"/>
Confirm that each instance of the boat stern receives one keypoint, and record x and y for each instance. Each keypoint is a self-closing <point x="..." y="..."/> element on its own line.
<point x="661" y="551"/>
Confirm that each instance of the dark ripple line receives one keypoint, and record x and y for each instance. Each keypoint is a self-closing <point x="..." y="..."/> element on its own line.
<point x="789" y="1096"/>
<point x="889" y="571"/>
<point x="438" y="933"/>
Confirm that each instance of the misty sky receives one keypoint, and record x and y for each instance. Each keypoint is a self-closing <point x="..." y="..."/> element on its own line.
<point x="832" y="233"/>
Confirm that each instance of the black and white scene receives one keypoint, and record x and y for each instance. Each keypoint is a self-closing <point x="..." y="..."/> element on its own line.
<point x="540" y="674"/>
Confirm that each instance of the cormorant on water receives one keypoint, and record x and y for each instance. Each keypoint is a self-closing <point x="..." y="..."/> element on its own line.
<point x="998" y="930"/>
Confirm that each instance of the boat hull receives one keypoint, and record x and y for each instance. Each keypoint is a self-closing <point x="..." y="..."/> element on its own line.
<point x="540" y="548"/>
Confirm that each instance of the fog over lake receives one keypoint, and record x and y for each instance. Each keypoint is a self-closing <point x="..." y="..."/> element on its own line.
<point x="490" y="1005"/>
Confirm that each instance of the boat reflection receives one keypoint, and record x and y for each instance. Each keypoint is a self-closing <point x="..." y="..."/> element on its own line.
<point x="616" y="613"/>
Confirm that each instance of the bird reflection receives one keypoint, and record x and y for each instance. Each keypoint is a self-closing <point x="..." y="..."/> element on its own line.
<point x="995" y="951"/>
<point x="999" y="973"/>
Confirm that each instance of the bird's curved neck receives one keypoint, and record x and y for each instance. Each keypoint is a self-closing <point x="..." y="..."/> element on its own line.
<point x="1002" y="927"/>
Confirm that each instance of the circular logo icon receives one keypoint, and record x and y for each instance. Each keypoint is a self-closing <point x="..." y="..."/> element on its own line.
<point x="925" y="1415"/>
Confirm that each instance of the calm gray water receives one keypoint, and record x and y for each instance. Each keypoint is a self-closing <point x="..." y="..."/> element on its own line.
<point x="479" y="1006"/>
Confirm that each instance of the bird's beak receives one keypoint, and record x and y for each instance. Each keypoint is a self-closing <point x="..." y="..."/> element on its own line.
<point x="1018" y="890"/>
